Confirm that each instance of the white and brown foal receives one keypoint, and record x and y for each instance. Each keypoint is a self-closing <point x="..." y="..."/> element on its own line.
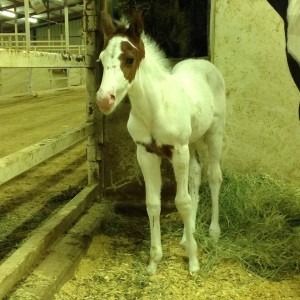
<point x="171" y="110"/>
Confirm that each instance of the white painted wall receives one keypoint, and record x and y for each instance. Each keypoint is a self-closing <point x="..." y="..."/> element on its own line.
<point x="263" y="130"/>
<point x="15" y="81"/>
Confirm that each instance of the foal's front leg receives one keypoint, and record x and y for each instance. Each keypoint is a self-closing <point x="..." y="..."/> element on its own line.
<point x="150" y="166"/>
<point x="180" y="161"/>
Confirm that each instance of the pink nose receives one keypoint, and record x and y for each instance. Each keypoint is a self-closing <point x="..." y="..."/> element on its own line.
<point x="106" y="101"/>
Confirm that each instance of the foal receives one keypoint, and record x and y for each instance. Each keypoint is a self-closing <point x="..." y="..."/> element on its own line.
<point x="171" y="110"/>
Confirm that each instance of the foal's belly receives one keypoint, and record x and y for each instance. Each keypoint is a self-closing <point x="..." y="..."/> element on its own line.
<point x="200" y="125"/>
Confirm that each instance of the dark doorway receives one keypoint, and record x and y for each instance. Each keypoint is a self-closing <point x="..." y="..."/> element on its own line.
<point x="180" y="27"/>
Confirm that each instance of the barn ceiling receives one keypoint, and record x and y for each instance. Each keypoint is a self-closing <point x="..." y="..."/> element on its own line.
<point x="44" y="11"/>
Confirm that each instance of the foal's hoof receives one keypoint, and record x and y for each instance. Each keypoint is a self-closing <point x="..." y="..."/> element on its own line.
<point x="214" y="233"/>
<point x="183" y="240"/>
<point x="151" y="269"/>
<point x="194" y="266"/>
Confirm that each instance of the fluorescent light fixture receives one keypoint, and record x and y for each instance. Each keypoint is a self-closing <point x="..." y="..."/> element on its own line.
<point x="32" y="20"/>
<point x="8" y="13"/>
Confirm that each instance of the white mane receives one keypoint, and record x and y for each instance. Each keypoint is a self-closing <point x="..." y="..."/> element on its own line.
<point x="123" y="22"/>
<point x="154" y="53"/>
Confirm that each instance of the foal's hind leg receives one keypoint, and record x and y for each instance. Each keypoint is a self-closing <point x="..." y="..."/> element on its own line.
<point x="214" y="140"/>
<point x="194" y="184"/>
<point x="150" y="166"/>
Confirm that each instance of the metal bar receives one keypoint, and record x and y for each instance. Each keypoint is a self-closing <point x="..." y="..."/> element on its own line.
<point x="16" y="26"/>
<point x="29" y="72"/>
<point x="27" y="25"/>
<point x="33" y="59"/>
<point x="66" y="13"/>
<point x="23" y="160"/>
<point x="48" y="21"/>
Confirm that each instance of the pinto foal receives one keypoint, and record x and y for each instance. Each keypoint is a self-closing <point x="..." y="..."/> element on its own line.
<point x="171" y="110"/>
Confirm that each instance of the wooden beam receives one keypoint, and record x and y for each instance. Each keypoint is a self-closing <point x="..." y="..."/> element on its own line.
<point x="23" y="160"/>
<point x="59" y="266"/>
<point x="23" y="260"/>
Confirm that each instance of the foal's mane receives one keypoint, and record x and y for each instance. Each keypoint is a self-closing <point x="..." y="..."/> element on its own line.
<point x="155" y="53"/>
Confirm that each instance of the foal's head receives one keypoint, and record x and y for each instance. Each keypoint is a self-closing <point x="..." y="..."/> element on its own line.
<point x="121" y="56"/>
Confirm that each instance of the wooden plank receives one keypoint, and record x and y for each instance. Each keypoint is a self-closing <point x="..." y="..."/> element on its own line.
<point x="212" y="27"/>
<point x="21" y="161"/>
<point x="59" y="266"/>
<point x="23" y="260"/>
<point x="34" y="59"/>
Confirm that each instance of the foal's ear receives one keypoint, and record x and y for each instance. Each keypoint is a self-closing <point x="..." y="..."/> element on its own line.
<point x="136" y="26"/>
<point x="107" y="24"/>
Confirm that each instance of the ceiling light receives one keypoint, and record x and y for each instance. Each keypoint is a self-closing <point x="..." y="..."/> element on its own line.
<point x="8" y="13"/>
<point x="32" y="20"/>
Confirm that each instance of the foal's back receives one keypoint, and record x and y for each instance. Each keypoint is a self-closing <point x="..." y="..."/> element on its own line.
<point x="203" y="90"/>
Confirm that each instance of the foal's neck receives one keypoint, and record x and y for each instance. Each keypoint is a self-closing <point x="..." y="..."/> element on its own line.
<point x="146" y="91"/>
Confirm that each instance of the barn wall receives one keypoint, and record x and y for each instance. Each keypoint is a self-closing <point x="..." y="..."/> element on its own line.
<point x="75" y="32"/>
<point x="262" y="132"/>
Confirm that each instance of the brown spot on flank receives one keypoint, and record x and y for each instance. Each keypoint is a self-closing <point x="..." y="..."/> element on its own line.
<point x="162" y="151"/>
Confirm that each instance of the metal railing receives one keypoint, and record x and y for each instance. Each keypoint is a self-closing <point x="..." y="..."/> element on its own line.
<point x="17" y="41"/>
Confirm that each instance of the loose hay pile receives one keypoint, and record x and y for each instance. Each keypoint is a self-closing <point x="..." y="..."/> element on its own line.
<point x="260" y="219"/>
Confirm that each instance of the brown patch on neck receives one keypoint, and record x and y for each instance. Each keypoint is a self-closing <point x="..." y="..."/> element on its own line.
<point x="162" y="151"/>
<point x="129" y="52"/>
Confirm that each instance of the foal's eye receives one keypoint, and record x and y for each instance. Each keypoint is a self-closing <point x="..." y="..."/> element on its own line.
<point x="129" y="60"/>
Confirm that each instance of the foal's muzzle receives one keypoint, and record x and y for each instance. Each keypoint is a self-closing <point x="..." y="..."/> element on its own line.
<point x="105" y="101"/>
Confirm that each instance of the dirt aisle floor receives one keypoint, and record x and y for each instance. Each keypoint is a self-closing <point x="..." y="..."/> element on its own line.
<point x="26" y="120"/>
<point x="29" y="199"/>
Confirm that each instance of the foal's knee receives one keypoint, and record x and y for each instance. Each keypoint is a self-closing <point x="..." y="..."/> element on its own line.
<point x="153" y="208"/>
<point x="183" y="204"/>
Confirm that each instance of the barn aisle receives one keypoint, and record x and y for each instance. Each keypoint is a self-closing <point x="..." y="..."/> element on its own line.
<point x="32" y="197"/>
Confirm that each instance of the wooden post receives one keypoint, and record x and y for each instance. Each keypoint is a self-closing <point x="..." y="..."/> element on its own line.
<point x="211" y="42"/>
<point x="93" y="73"/>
